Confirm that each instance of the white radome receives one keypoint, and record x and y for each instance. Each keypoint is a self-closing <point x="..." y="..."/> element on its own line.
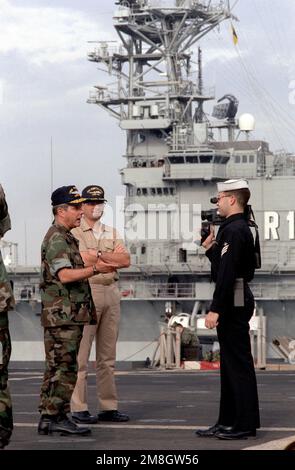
<point x="247" y="122"/>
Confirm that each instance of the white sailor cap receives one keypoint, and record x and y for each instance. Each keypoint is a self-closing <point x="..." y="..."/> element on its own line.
<point x="232" y="185"/>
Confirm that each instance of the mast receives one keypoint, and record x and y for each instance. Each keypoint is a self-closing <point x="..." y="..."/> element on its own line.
<point x="199" y="115"/>
<point x="152" y="65"/>
<point x="159" y="101"/>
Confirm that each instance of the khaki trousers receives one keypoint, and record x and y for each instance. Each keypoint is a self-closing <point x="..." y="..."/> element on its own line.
<point x="107" y="304"/>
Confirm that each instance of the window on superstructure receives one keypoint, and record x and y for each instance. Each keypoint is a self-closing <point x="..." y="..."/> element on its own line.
<point x="245" y="159"/>
<point x="133" y="250"/>
<point x="251" y="158"/>
<point x="238" y="159"/>
<point x="206" y="158"/>
<point x="176" y="160"/>
<point x="129" y="191"/>
<point x="192" y="159"/>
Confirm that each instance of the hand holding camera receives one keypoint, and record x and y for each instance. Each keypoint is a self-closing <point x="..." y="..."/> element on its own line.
<point x="207" y="236"/>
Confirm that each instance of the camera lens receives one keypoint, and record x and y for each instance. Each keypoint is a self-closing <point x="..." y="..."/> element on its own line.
<point x="213" y="200"/>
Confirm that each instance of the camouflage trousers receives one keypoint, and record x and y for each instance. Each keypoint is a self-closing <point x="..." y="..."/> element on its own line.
<point x="61" y="351"/>
<point x="6" y="422"/>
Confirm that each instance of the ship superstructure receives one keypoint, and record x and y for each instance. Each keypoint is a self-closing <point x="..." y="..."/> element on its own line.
<point x="175" y="155"/>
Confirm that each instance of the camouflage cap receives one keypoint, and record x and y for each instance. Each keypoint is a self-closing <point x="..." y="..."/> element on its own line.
<point x="94" y="193"/>
<point x="66" y="195"/>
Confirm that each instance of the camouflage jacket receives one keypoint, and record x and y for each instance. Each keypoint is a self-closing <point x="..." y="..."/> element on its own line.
<point x="5" y="224"/>
<point x="63" y="304"/>
<point x="6" y="295"/>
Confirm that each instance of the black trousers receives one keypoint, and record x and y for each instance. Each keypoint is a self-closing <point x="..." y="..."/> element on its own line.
<point x="239" y="398"/>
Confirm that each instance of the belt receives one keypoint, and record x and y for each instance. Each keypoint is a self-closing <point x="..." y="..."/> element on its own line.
<point x="239" y="300"/>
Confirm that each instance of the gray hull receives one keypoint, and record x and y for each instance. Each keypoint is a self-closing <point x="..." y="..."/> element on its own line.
<point x="139" y="330"/>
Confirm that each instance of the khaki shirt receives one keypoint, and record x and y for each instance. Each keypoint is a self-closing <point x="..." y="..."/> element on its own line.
<point x="108" y="241"/>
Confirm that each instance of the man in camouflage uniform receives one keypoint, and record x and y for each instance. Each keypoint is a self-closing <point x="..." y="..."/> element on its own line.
<point x="6" y="304"/>
<point x="67" y="305"/>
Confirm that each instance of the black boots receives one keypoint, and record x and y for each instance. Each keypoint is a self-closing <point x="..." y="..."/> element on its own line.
<point x="112" y="415"/>
<point x="84" y="417"/>
<point x="61" y="423"/>
<point x="4" y="437"/>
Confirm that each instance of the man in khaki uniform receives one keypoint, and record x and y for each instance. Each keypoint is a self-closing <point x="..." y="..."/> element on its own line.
<point x="97" y="240"/>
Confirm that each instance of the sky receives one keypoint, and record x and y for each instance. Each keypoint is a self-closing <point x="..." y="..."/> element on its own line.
<point x="45" y="80"/>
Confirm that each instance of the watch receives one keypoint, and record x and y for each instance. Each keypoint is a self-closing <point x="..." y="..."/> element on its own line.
<point x="95" y="270"/>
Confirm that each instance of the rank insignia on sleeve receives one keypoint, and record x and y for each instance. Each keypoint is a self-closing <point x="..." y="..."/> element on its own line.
<point x="224" y="249"/>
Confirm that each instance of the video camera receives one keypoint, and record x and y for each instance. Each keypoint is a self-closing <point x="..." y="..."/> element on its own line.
<point x="212" y="217"/>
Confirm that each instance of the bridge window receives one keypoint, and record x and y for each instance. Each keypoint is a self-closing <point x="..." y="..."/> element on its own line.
<point x="176" y="160"/>
<point x="205" y="158"/>
<point x="192" y="159"/>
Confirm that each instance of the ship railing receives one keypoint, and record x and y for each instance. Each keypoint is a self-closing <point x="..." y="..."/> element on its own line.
<point x="105" y="52"/>
<point x="146" y="290"/>
<point x="273" y="291"/>
<point x="103" y="95"/>
<point x="188" y="88"/>
<point x="165" y="290"/>
<point x="26" y="294"/>
<point x="282" y="167"/>
<point x="194" y="263"/>
<point x="192" y="171"/>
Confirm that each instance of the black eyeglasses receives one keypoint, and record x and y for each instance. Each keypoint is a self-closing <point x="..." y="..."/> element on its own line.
<point x="220" y="197"/>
